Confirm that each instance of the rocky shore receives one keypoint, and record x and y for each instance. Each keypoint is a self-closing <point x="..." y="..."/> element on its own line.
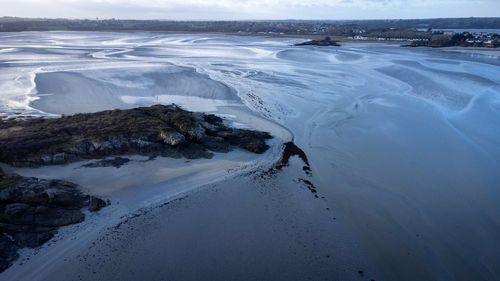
<point x="32" y="209"/>
<point x="153" y="131"/>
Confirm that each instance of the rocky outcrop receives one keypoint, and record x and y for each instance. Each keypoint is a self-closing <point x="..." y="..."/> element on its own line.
<point x="152" y="131"/>
<point x="325" y="42"/>
<point x="32" y="209"/>
<point x="96" y="203"/>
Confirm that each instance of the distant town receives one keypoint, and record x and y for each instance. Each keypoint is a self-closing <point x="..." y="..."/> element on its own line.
<point x="432" y="38"/>
<point x="465" y="32"/>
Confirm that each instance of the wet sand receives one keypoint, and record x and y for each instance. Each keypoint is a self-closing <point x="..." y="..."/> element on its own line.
<point x="245" y="228"/>
<point x="402" y="144"/>
<point x="70" y="92"/>
<point x="472" y="50"/>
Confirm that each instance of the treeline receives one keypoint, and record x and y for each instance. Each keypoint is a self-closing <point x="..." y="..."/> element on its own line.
<point x="182" y="26"/>
<point x="442" y="23"/>
<point x="338" y="28"/>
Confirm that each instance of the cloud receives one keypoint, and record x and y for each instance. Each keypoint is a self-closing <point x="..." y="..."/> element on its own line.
<point x="250" y="9"/>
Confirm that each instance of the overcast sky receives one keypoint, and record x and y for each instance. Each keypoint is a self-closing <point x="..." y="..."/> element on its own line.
<point x="250" y="9"/>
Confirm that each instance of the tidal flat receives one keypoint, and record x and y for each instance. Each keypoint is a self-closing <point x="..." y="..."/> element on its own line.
<point x="402" y="145"/>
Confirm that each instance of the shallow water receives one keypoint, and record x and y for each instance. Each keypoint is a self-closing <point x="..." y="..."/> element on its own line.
<point x="403" y="143"/>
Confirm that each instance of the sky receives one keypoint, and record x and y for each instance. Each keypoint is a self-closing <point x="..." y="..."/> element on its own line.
<point x="249" y="9"/>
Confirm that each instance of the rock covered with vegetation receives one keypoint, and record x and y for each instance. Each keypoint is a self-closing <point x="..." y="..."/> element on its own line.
<point x="158" y="130"/>
<point x="325" y="42"/>
<point x="32" y="209"/>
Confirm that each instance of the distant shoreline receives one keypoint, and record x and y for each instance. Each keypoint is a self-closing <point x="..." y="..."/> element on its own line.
<point x="340" y="39"/>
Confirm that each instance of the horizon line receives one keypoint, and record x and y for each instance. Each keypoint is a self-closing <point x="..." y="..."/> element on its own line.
<point x="242" y="20"/>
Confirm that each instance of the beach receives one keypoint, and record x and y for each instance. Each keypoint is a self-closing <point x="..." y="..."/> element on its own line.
<point x="402" y="144"/>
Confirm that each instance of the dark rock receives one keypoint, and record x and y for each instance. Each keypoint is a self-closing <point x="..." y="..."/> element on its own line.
<point x="8" y="251"/>
<point x="325" y="42"/>
<point x="63" y="197"/>
<point x="59" y="158"/>
<point x="213" y="119"/>
<point x="58" y="217"/>
<point x="9" y="228"/>
<point x="252" y="141"/>
<point x="95" y="204"/>
<point x="172" y="137"/>
<point x="195" y="151"/>
<point x="216" y="144"/>
<point x="18" y="213"/>
<point x="1" y="173"/>
<point x="16" y="209"/>
<point x="255" y="147"/>
<point x="41" y="209"/>
<point x="32" y="209"/>
<point x="116" y="162"/>
<point x="32" y="239"/>
<point x="83" y="148"/>
<point x="290" y="150"/>
<point x="15" y="228"/>
<point x="46" y="159"/>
